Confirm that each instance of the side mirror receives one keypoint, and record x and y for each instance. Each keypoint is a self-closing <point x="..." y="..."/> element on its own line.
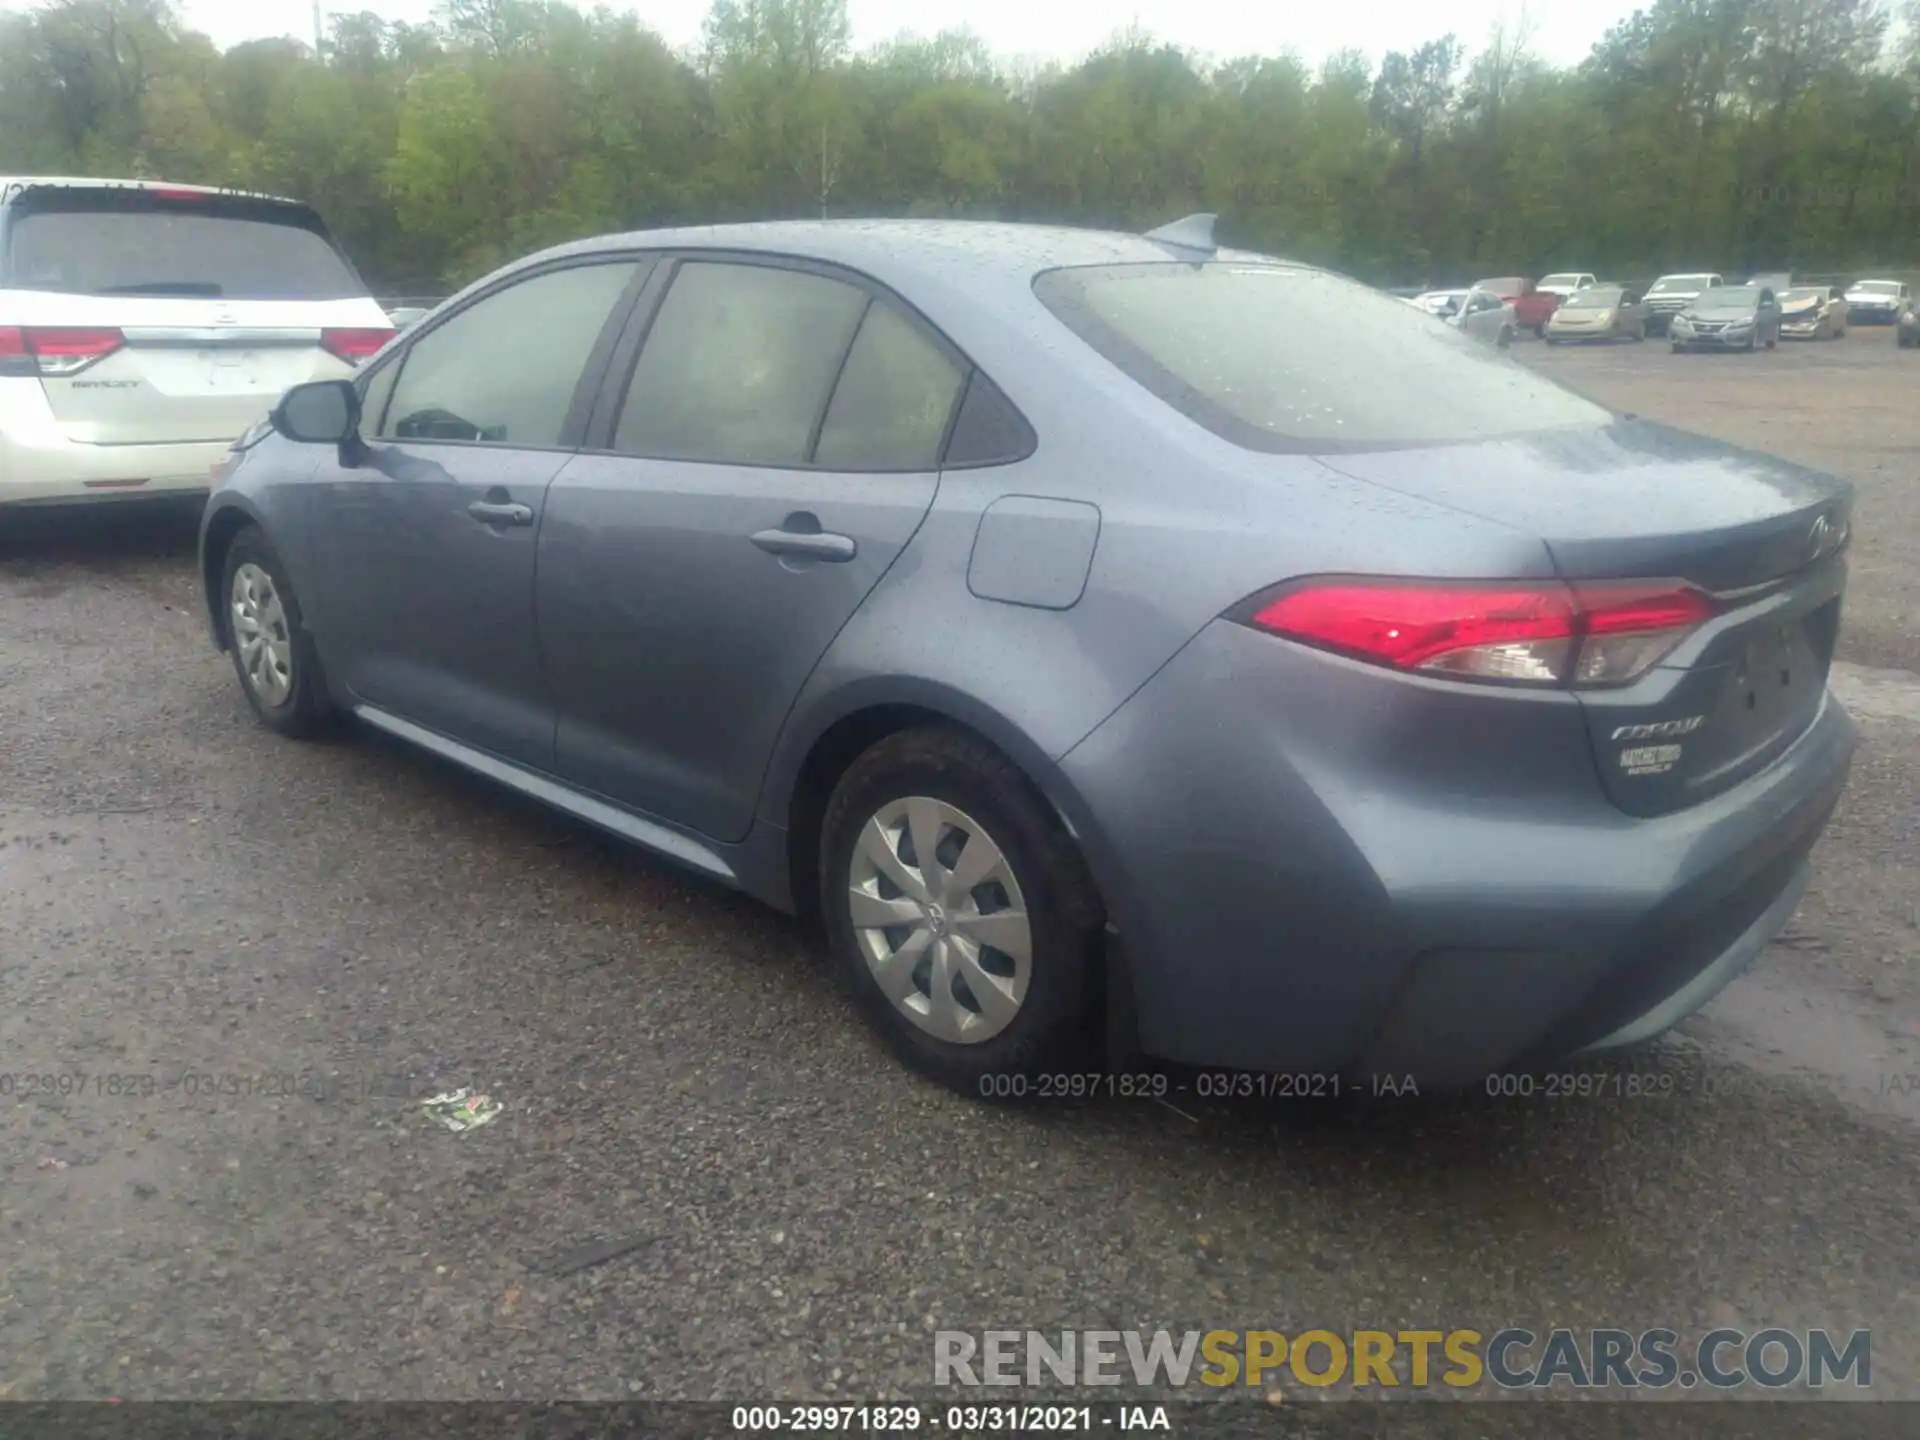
<point x="322" y="412"/>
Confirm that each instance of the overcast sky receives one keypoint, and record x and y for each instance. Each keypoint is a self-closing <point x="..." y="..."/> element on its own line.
<point x="1562" y="30"/>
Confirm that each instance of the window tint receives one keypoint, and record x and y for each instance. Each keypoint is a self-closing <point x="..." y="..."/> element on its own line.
<point x="93" y="249"/>
<point x="504" y="370"/>
<point x="895" y="397"/>
<point x="1275" y="357"/>
<point x="738" y="364"/>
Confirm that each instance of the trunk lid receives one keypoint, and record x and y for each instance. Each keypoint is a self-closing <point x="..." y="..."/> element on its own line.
<point x="1635" y="500"/>
<point x="219" y="302"/>
<point x="189" y="369"/>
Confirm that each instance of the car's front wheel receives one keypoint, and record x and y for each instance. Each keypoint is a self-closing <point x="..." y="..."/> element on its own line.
<point x="272" y="653"/>
<point x="959" y="911"/>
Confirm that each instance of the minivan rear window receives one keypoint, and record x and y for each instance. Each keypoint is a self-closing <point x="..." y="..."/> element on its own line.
<point x="130" y="244"/>
<point x="1283" y="358"/>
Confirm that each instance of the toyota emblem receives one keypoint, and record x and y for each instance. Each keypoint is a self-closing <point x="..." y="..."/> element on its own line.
<point x="1824" y="539"/>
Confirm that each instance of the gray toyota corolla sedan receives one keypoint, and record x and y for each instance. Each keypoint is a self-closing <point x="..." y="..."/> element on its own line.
<point x="1125" y="647"/>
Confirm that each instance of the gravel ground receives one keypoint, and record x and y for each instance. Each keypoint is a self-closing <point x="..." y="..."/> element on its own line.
<point x="261" y="956"/>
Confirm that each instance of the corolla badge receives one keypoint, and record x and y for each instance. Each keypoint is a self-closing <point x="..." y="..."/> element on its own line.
<point x="1660" y="729"/>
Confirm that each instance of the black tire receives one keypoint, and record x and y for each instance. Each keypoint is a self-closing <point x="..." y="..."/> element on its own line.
<point x="1540" y="332"/>
<point x="1504" y="340"/>
<point x="1053" y="1027"/>
<point x="305" y="712"/>
<point x="1678" y="348"/>
<point x="1772" y="343"/>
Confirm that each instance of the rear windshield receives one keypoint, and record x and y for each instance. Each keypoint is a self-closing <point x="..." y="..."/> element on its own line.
<point x="135" y="246"/>
<point x="1594" y="297"/>
<point x="1277" y="358"/>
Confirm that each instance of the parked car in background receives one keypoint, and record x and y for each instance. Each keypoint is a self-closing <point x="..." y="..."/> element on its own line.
<point x="143" y="326"/>
<point x="1877" y="302"/>
<point x="1729" y="317"/>
<point x="1599" y="312"/>
<point x="1243" y="771"/>
<point x="1909" y="322"/>
<point x="405" y="317"/>
<point x="1671" y="294"/>
<point x="1813" y="312"/>
<point x="1438" y="302"/>
<point x="1485" y="316"/>
<point x="1564" y="283"/>
<point x="1531" y="305"/>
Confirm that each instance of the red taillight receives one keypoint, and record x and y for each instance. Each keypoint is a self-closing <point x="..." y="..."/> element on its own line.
<point x="55" y="350"/>
<point x="1628" y="627"/>
<point x="354" y="346"/>
<point x="1525" y="633"/>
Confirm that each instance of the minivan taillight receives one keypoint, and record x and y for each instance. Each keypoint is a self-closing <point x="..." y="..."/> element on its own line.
<point x="55" y="350"/>
<point x="354" y="346"/>
<point x="1525" y="632"/>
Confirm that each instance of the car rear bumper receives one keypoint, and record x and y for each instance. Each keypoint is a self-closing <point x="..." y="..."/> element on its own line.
<point x="1311" y="875"/>
<point x="39" y="465"/>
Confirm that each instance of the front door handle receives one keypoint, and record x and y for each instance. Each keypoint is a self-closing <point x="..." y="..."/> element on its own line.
<point x="812" y="544"/>
<point x="492" y="512"/>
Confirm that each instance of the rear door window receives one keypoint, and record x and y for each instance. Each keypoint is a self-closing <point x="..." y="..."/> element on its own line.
<point x="738" y="365"/>
<point x="1281" y="358"/>
<point x="108" y="244"/>
<point x="504" y="370"/>
<point x="894" y="401"/>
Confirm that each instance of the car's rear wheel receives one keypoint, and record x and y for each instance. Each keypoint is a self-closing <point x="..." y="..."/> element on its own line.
<point x="959" y="912"/>
<point x="272" y="653"/>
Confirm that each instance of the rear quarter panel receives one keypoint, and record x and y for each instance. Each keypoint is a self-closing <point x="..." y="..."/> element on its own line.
<point x="1189" y="525"/>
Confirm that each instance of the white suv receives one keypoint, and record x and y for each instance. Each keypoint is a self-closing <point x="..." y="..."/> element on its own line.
<point x="144" y="326"/>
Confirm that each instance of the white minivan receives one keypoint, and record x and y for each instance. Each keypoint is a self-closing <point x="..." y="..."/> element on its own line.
<point x="144" y="326"/>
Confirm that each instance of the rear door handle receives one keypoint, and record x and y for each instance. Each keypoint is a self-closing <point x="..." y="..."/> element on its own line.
<point x="813" y="544"/>
<point x="491" y="512"/>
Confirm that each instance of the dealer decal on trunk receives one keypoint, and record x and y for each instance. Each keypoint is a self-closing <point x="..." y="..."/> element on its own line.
<point x="1650" y="759"/>
<point x="1655" y="759"/>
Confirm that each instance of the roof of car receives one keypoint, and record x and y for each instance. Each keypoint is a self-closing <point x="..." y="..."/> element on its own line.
<point x="12" y="184"/>
<point x="882" y="246"/>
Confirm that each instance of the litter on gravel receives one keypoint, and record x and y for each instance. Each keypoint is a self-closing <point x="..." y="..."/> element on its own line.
<point x="462" y="1109"/>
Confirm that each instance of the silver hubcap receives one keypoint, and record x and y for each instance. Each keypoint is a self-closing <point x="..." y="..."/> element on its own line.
<point x="260" y="635"/>
<point x="940" y="920"/>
